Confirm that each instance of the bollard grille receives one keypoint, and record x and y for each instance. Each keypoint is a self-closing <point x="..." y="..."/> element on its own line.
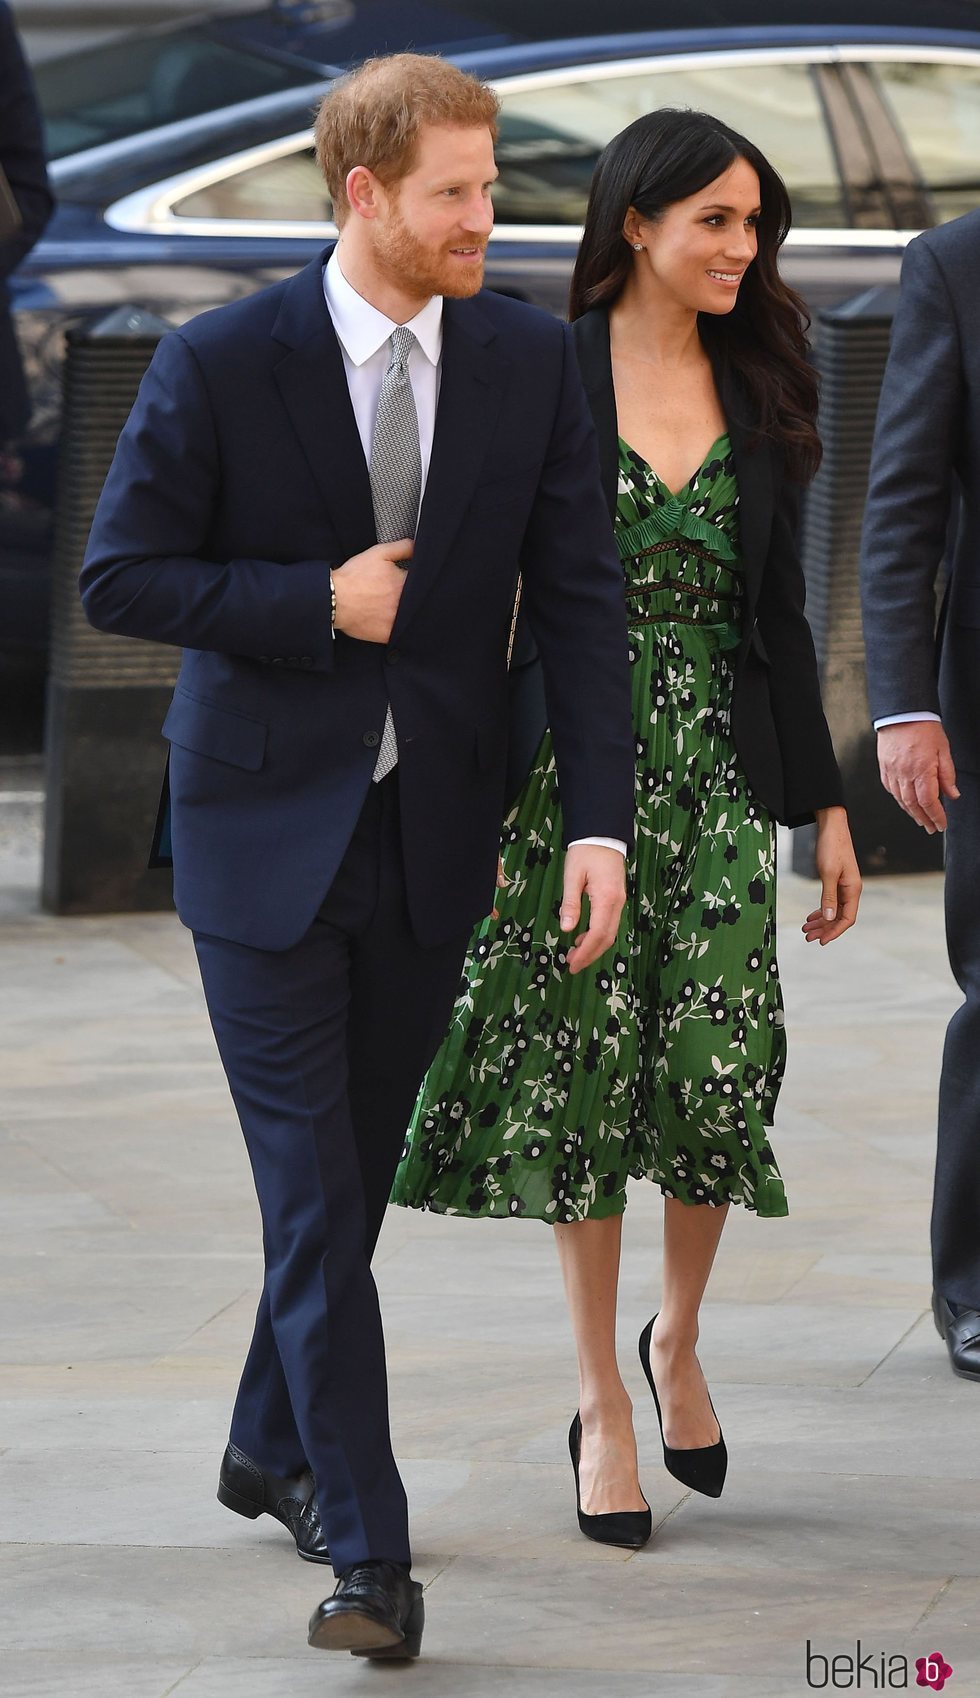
<point x="103" y="369"/>
<point x="107" y="695"/>
<point x="851" y="353"/>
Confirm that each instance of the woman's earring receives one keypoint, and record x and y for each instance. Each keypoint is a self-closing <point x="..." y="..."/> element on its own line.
<point x="638" y="247"/>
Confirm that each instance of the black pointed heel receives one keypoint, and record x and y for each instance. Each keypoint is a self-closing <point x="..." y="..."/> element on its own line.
<point x="702" y="1469"/>
<point x="630" y="1528"/>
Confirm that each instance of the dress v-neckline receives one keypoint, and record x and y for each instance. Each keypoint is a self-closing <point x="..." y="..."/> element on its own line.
<point x="675" y="494"/>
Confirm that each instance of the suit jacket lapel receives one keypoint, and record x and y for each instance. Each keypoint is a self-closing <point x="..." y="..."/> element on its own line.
<point x="470" y="393"/>
<point x="313" y="384"/>
<point x="591" y="333"/>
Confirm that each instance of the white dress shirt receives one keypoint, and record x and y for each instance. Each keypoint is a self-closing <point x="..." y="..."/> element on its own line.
<point x="907" y="719"/>
<point x="364" y="333"/>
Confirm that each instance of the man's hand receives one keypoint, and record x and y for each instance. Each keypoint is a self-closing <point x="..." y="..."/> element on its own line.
<point x="840" y="879"/>
<point x="917" y="769"/>
<point x="368" y="588"/>
<point x="599" y="874"/>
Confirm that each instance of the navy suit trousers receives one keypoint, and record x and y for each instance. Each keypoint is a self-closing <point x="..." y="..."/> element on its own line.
<point x="325" y="1045"/>
<point x="955" y="1227"/>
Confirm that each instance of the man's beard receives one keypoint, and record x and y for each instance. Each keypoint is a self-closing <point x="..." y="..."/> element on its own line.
<point x="423" y="270"/>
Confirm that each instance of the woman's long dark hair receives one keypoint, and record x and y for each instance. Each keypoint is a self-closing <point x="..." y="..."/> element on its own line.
<point x="661" y="158"/>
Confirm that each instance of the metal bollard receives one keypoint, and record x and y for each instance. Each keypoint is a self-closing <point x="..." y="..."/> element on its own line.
<point x="107" y="695"/>
<point x="851" y="350"/>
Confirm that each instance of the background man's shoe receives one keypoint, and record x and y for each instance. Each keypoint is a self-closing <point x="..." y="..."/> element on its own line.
<point x="375" y="1611"/>
<point x="251" y="1491"/>
<point x="961" y="1330"/>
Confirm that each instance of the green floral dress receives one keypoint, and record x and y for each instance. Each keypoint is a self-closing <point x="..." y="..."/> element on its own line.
<point x="663" y="1060"/>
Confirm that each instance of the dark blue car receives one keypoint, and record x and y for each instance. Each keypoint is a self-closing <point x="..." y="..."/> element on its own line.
<point x="185" y="177"/>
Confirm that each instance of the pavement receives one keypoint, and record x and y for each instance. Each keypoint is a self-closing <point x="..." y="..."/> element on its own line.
<point x="129" y="1260"/>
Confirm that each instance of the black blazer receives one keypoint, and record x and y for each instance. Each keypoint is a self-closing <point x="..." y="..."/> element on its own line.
<point x="238" y="479"/>
<point x="22" y="159"/>
<point x="778" y="724"/>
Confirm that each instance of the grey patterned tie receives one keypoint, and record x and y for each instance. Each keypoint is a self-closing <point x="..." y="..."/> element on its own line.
<point x="396" y="481"/>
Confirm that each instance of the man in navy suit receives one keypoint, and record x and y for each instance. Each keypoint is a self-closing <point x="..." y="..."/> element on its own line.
<point x="338" y="735"/>
<point x="924" y="688"/>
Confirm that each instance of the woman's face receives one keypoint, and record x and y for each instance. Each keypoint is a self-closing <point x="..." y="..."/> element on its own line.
<point x="700" y="248"/>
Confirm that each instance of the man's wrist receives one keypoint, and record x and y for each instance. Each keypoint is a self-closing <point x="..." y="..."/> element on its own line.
<point x="599" y="843"/>
<point x="923" y="716"/>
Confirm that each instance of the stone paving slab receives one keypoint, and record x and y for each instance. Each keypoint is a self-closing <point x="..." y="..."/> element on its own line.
<point x="129" y="1271"/>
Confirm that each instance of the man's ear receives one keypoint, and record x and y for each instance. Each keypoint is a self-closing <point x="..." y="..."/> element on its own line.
<point x="364" y="192"/>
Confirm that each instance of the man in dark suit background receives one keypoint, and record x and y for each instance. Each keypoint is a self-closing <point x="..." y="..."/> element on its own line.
<point x="338" y="735"/>
<point x="22" y="216"/>
<point x="925" y="691"/>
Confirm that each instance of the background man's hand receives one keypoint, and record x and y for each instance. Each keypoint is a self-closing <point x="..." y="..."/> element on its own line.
<point x="599" y="874"/>
<point x="368" y="588"/>
<point x="917" y="769"/>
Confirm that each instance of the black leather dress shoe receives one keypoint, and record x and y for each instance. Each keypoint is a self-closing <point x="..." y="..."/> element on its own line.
<point x="251" y="1491"/>
<point x="961" y="1330"/>
<point x="376" y="1611"/>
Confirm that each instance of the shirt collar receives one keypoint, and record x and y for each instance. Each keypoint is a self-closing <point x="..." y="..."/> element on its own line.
<point x="362" y="329"/>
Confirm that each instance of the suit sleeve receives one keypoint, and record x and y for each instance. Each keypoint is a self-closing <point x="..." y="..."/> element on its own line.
<point x="908" y="506"/>
<point x="575" y="603"/>
<point x="811" y="777"/>
<point x="21" y="147"/>
<point x="147" y="570"/>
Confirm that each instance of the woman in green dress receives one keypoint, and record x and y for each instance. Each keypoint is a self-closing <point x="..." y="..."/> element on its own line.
<point x="664" y="1060"/>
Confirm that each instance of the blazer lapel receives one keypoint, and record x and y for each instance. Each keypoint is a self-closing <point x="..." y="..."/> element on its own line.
<point x="753" y="462"/>
<point x="753" y="468"/>
<point x="591" y="334"/>
<point x="313" y="385"/>
<point x="470" y="394"/>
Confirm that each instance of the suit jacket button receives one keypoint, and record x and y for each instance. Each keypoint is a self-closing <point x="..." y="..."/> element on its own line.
<point x="371" y="739"/>
<point x="392" y="656"/>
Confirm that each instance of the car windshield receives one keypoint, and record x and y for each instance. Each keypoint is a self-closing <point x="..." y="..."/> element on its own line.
<point x="140" y="82"/>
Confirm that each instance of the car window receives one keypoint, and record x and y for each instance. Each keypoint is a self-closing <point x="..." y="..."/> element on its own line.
<point x="289" y="188"/>
<point x="937" y="110"/>
<point x="551" y="137"/>
<point x="141" y="82"/>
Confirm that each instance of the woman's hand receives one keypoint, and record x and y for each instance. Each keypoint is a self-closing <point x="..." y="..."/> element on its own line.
<point x="840" y="879"/>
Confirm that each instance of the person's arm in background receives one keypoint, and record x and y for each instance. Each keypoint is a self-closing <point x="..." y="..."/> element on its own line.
<point x="21" y="147"/>
<point x="905" y="529"/>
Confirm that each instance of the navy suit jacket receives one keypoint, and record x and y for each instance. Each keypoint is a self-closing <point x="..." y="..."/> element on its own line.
<point x="925" y="465"/>
<point x="237" y="481"/>
<point x="22" y="158"/>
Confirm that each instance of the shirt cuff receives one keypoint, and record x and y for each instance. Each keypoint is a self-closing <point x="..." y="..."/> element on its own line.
<point x="907" y="719"/>
<point x="599" y="843"/>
